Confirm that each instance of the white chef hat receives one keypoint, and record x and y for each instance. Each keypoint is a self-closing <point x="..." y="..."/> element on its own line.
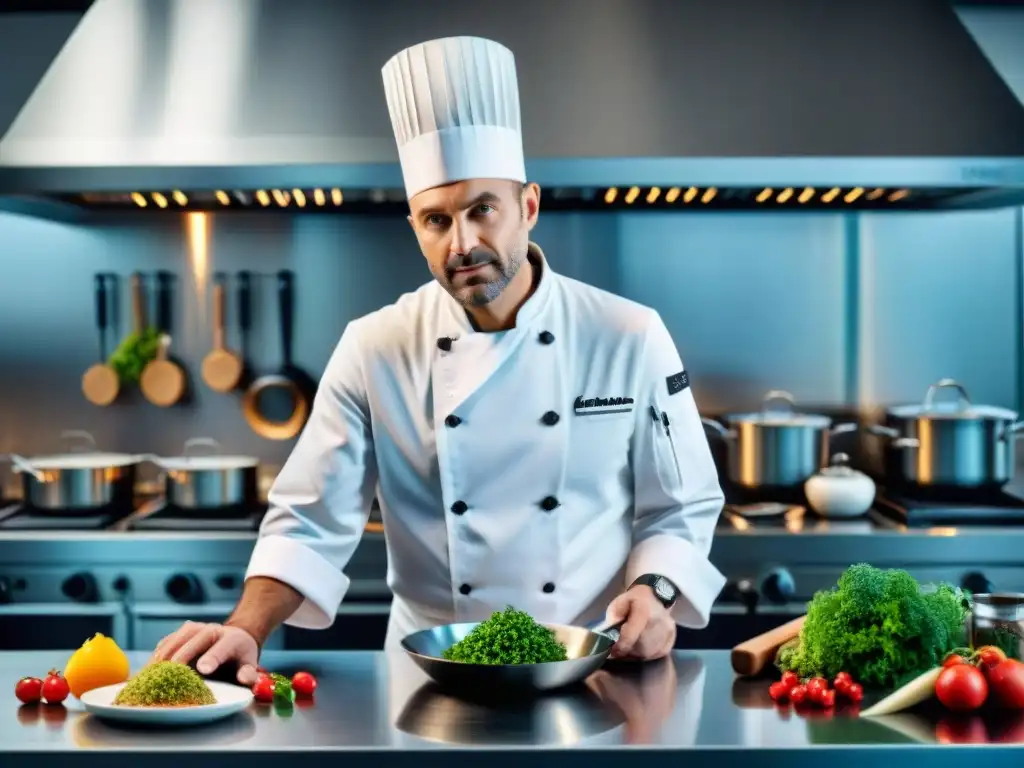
<point x="454" y="106"/>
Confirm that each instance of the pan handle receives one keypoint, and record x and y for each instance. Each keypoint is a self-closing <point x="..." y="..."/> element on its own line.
<point x="244" y="301"/>
<point x="163" y="301"/>
<point x="610" y="629"/>
<point x="286" y="300"/>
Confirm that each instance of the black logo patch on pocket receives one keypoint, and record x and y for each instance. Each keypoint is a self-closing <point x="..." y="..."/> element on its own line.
<point x="677" y="382"/>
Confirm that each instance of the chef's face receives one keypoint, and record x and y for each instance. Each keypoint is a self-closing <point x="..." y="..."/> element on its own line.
<point x="475" y="234"/>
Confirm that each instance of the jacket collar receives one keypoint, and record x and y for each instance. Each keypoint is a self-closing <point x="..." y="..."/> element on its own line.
<point x="455" y="321"/>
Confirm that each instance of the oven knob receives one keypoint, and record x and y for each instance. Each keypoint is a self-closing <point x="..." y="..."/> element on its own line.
<point x="226" y="581"/>
<point x="5" y="590"/>
<point x="122" y="584"/>
<point x="976" y="583"/>
<point x="184" y="588"/>
<point x="80" y="587"/>
<point x="778" y="586"/>
<point x="741" y="591"/>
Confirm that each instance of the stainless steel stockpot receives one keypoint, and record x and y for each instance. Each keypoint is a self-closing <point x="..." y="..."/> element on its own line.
<point x="777" y="446"/>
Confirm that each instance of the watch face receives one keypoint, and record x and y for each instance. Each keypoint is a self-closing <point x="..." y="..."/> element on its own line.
<point x="663" y="590"/>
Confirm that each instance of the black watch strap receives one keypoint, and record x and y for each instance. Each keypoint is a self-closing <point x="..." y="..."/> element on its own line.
<point x="663" y="588"/>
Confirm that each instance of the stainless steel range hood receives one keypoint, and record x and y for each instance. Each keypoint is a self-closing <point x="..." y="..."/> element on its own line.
<point x="733" y="103"/>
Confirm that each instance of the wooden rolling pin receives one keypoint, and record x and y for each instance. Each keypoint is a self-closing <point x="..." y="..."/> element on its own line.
<point x="752" y="656"/>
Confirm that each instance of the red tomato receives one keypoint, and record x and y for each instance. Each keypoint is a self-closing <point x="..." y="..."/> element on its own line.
<point x="264" y="689"/>
<point x="828" y="699"/>
<point x="778" y="691"/>
<point x="29" y="690"/>
<point x="842" y="679"/>
<point x="815" y="686"/>
<point x="303" y="683"/>
<point x="953" y="659"/>
<point x="790" y="679"/>
<point x="855" y="692"/>
<point x="798" y="695"/>
<point x="1006" y="679"/>
<point x="961" y="688"/>
<point x="55" y="687"/>
<point x="990" y="655"/>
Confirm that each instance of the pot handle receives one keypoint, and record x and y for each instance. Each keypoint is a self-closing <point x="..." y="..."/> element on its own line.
<point x="193" y="442"/>
<point x="1014" y="431"/>
<point x="896" y="441"/>
<point x="929" y="397"/>
<point x="24" y="465"/>
<point x="718" y="428"/>
<point x="777" y="395"/>
<point x="68" y="434"/>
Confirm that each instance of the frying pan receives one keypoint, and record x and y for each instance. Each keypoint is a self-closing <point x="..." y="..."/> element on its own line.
<point x="587" y="651"/>
<point x="163" y="381"/>
<point x="277" y="405"/>
<point x="100" y="383"/>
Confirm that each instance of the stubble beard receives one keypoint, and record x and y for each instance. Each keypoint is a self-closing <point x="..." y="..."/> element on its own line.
<point x="483" y="293"/>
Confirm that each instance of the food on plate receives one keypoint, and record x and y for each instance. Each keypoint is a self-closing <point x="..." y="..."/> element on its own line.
<point x="98" y="663"/>
<point x="961" y="687"/>
<point x="508" y="637"/>
<point x="55" y="687"/>
<point x="303" y="683"/>
<point x="879" y="625"/>
<point x="165" y="684"/>
<point x="29" y="690"/>
<point x="1006" y="681"/>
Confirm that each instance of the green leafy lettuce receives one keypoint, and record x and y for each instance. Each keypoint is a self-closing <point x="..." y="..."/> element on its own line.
<point x="878" y="625"/>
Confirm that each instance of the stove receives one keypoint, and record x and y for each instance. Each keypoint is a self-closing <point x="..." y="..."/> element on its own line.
<point x="948" y="507"/>
<point x="18" y="516"/>
<point x="159" y="515"/>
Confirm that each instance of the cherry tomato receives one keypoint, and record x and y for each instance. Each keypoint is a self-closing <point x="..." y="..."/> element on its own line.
<point x="815" y="686"/>
<point x="264" y="689"/>
<point x="55" y="687"/>
<point x="1006" y="680"/>
<point x="842" y="679"/>
<point x="790" y="679"/>
<point x="303" y="683"/>
<point x="953" y="659"/>
<point x="798" y="695"/>
<point x="29" y="690"/>
<point x="961" y="688"/>
<point x="855" y="692"/>
<point x="990" y="655"/>
<point x="778" y="691"/>
<point x="827" y="699"/>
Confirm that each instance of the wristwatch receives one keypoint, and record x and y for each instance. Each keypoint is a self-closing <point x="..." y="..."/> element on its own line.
<point x="664" y="589"/>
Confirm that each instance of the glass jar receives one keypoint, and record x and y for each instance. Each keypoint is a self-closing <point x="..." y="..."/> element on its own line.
<point x="998" y="619"/>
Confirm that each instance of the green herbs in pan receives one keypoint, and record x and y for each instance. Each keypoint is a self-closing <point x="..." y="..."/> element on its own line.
<point x="508" y="637"/>
<point x="878" y="625"/>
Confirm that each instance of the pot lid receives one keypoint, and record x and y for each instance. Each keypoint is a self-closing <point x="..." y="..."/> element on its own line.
<point x="960" y="408"/>
<point x="81" y="460"/>
<point x="199" y="463"/>
<point x="840" y="469"/>
<point x="777" y="410"/>
<point x="216" y="461"/>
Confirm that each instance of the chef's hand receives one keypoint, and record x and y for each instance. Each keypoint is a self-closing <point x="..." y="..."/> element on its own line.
<point x="649" y="632"/>
<point x="214" y="644"/>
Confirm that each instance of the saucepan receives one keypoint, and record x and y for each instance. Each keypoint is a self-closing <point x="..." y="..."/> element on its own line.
<point x="587" y="651"/>
<point x="208" y="481"/>
<point x="81" y="479"/>
<point x="943" y="443"/>
<point x="777" y="446"/>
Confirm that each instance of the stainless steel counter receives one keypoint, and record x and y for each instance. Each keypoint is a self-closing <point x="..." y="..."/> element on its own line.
<point x="378" y="709"/>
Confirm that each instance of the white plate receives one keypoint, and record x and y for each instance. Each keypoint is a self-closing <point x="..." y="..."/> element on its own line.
<point x="230" y="700"/>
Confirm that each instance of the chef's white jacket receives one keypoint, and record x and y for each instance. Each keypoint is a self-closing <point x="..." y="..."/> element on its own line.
<point x="544" y="467"/>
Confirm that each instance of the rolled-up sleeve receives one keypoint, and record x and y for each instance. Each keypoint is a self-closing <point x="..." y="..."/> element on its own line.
<point x="320" y="502"/>
<point x="677" y="496"/>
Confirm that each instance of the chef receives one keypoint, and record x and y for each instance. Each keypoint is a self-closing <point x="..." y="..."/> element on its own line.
<point x="532" y="441"/>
